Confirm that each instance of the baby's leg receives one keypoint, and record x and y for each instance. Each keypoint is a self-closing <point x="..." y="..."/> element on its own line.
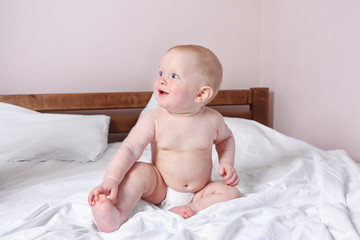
<point x="212" y="193"/>
<point x="142" y="181"/>
<point x="107" y="216"/>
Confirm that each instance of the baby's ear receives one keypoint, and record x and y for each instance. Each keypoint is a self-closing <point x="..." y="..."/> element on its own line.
<point x="204" y="94"/>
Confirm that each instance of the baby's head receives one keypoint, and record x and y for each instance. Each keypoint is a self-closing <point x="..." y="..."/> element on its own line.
<point x="189" y="78"/>
<point x="208" y="65"/>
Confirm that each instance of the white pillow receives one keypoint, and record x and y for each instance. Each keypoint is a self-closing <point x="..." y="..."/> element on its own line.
<point x="152" y="104"/>
<point x="258" y="145"/>
<point x="29" y="135"/>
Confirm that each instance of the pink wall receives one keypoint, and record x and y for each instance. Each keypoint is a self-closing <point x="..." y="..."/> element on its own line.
<point x="307" y="52"/>
<point x="116" y="45"/>
<point x="311" y="61"/>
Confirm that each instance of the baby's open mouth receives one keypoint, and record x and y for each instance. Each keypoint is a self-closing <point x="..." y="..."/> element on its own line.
<point x="161" y="92"/>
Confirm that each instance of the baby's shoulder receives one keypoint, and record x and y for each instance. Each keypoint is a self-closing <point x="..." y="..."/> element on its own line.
<point x="213" y="116"/>
<point x="154" y="114"/>
<point x="212" y="113"/>
<point x="154" y="110"/>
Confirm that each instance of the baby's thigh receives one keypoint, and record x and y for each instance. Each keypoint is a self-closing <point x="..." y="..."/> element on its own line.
<point x="227" y="192"/>
<point x="150" y="178"/>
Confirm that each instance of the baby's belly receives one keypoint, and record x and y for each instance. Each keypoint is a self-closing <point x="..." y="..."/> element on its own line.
<point x="184" y="171"/>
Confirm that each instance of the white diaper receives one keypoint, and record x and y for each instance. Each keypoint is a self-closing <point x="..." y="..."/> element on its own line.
<point x="175" y="198"/>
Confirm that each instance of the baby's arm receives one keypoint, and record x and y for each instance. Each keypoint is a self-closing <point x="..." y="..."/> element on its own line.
<point x="124" y="158"/>
<point x="225" y="147"/>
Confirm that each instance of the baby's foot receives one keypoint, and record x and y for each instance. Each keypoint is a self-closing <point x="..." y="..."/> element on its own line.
<point x="184" y="211"/>
<point x="107" y="216"/>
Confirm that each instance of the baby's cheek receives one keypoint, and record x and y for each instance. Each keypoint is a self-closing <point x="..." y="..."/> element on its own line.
<point x="181" y="95"/>
<point x="155" y="85"/>
<point x="177" y="95"/>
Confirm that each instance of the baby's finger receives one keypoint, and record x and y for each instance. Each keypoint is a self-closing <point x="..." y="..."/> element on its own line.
<point x="227" y="180"/>
<point x="233" y="181"/>
<point x="226" y="177"/>
<point x="228" y="174"/>
<point x="231" y="178"/>
<point x="236" y="182"/>
<point x="93" y="194"/>
<point x="113" y="194"/>
<point x="90" y="198"/>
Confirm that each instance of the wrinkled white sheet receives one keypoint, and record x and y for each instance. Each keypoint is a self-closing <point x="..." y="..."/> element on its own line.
<point x="294" y="192"/>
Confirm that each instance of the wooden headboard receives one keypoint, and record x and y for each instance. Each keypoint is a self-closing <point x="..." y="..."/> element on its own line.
<point x="125" y="107"/>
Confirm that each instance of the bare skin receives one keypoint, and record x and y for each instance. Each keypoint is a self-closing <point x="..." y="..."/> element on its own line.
<point x="181" y="132"/>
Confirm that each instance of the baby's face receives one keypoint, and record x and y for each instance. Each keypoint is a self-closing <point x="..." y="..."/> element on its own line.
<point x="179" y="82"/>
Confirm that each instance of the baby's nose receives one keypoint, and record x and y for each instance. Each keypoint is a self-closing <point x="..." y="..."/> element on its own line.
<point x="163" y="81"/>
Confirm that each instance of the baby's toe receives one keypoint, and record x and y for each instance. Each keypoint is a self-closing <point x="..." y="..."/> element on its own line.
<point x="103" y="198"/>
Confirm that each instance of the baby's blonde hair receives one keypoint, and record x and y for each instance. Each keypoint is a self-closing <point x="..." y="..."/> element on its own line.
<point x="211" y="66"/>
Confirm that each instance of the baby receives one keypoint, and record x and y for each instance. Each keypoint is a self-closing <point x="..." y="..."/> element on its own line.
<point x="181" y="133"/>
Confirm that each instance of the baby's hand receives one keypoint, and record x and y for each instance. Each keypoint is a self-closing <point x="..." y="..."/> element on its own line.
<point x="229" y="174"/>
<point x="108" y="187"/>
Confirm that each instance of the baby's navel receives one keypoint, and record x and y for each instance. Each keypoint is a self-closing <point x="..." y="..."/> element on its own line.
<point x="185" y="187"/>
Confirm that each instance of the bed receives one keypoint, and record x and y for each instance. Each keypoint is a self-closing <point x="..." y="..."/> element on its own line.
<point x="54" y="148"/>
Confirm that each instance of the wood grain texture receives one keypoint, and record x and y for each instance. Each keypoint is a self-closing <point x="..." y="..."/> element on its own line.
<point x="260" y="105"/>
<point x="232" y="97"/>
<point x="256" y="98"/>
<point x="79" y="101"/>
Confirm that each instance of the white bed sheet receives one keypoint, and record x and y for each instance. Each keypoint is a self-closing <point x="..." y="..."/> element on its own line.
<point x="296" y="192"/>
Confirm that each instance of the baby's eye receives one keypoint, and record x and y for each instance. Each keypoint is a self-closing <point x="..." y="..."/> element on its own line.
<point x="161" y="74"/>
<point x="175" y="76"/>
